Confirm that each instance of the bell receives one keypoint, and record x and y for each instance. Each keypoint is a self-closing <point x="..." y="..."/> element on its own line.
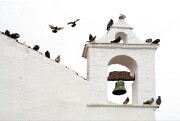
<point x="119" y="88"/>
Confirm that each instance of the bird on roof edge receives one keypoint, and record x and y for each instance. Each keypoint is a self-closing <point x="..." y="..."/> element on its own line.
<point x="55" y="29"/>
<point x="149" y="102"/>
<point x="36" y="47"/>
<point x="91" y="38"/>
<point x="117" y="40"/>
<point x="47" y="54"/>
<point x="158" y="101"/>
<point x="110" y="23"/>
<point x="122" y="16"/>
<point x="57" y="59"/>
<point x="156" y="41"/>
<point x="126" y="100"/>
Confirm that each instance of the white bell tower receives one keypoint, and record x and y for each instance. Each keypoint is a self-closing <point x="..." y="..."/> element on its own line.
<point x="138" y="56"/>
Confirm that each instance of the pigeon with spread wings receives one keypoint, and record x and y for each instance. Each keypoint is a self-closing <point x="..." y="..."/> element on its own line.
<point x="73" y="23"/>
<point x="55" y="29"/>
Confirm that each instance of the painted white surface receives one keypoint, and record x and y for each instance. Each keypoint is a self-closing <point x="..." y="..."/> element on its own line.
<point x="33" y="87"/>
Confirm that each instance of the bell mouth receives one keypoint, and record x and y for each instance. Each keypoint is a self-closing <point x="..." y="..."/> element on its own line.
<point x="119" y="92"/>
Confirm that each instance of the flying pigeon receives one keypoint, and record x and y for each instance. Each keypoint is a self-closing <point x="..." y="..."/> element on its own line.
<point x="110" y="23"/>
<point x="57" y="59"/>
<point x="55" y="29"/>
<point x="149" y="40"/>
<point x="158" y="101"/>
<point x="126" y="100"/>
<point x="156" y="41"/>
<point x="7" y="32"/>
<point x="117" y="40"/>
<point x="91" y="38"/>
<point x="47" y="54"/>
<point x="15" y="35"/>
<point x="36" y="47"/>
<point x="149" y="101"/>
<point x="73" y="23"/>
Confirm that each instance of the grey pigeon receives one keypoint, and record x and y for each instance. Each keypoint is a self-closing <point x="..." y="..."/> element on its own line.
<point x="73" y="23"/>
<point x="122" y="16"/>
<point x="117" y="40"/>
<point x="156" y="41"/>
<point x="91" y="38"/>
<point x="55" y="28"/>
<point x="47" y="54"/>
<point x="126" y="100"/>
<point x="149" y="40"/>
<point x="110" y="23"/>
<point x="149" y="102"/>
<point x="15" y="35"/>
<point x="36" y="47"/>
<point x="7" y="32"/>
<point x="57" y="59"/>
<point x="158" y="101"/>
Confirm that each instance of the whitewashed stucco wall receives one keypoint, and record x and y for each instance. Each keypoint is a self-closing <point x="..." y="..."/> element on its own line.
<point x="33" y="87"/>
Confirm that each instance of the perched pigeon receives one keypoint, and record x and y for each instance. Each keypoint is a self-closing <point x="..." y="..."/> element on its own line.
<point x="7" y="32"/>
<point x="55" y="29"/>
<point x="110" y="23"/>
<point x="73" y="23"/>
<point x="149" y="101"/>
<point x="158" y="101"/>
<point x="15" y="35"/>
<point x="36" y="47"/>
<point x="57" y="59"/>
<point x="117" y="40"/>
<point x="149" y="40"/>
<point x="156" y="41"/>
<point x="126" y="100"/>
<point x="47" y="54"/>
<point x="91" y="38"/>
<point x="122" y="16"/>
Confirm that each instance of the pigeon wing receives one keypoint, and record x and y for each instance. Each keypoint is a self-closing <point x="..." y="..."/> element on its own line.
<point x="70" y="23"/>
<point x="76" y="20"/>
<point x="52" y="27"/>
<point x="59" y="28"/>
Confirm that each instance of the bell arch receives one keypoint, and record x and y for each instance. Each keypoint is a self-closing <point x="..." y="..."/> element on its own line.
<point x="125" y="65"/>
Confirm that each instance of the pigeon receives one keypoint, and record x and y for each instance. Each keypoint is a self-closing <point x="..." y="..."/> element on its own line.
<point x="47" y="54"/>
<point x="126" y="100"/>
<point x="158" y="101"/>
<point x="55" y="29"/>
<point x="122" y="16"/>
<point x="7" y="32"/>
<point x="156" y="41"/>
<point x="117" y="40"/>
<point x="57" y="59"/>
<point x="36" y="47"/>
<point x="15" y="35"/>
<point x="73" y="23"/>
<point x="110" y="23"/>
<point x="149" y="101"/>
<point x="149" y="40"/>
<point x="91" y="38"/>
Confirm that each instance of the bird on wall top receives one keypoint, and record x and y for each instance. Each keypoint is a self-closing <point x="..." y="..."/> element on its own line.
<point x="73" y="23"/>
<point x="149" y="102"/>
<point x="36" y="47"/>
<point x="158" y="101"/>
<point x="122" y="16"/>
<point x="15" y="35"/>
<point x="57" y="59"/>
<point x="7" y="32"/>
<point x="126" y="100"/>
<point x="148" y="40"/>
<point x="91" y="38"/>
<point x="117" y="40"/>
<point x="47" y="54"/>
<point x="156" y="41"/>
<point x="55" y="29"/>
<point x="110" y="23"/>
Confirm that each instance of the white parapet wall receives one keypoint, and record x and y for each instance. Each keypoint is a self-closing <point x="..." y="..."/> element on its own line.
<point x="33" y="87"/>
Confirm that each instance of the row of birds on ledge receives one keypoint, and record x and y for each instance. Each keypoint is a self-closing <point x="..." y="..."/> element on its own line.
<point x="148" y="102"/>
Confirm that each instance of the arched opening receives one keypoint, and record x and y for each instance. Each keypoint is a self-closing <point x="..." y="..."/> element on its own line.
<point x="121" y="63"/>
<point x="123" y="37"/>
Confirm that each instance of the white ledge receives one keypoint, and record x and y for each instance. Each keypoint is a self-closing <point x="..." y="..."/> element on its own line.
<point x="121" y="105"/>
